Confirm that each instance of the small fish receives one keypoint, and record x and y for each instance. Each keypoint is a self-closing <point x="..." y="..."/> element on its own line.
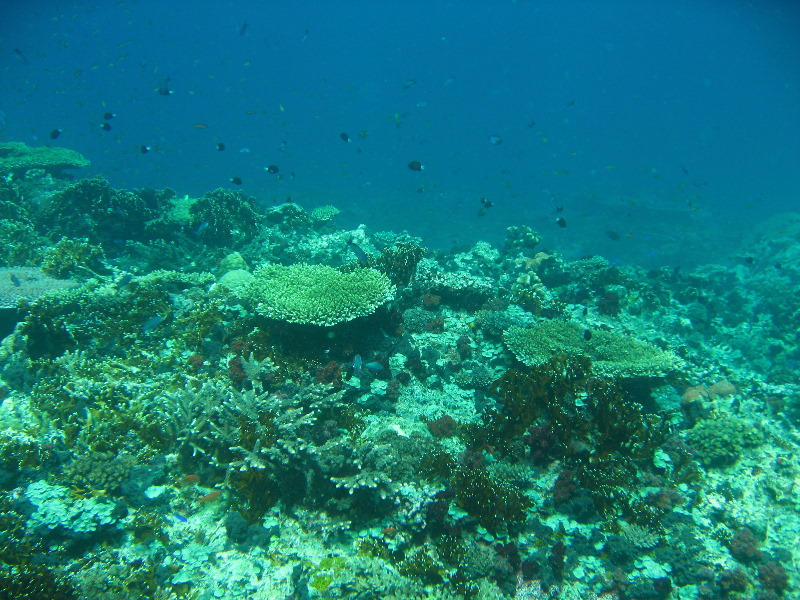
<point x="243" y="29"/>
<point x="15" y="281"/>
<point x="200" y="126"/>
<point x="236" y="180"/>
<point x="220" y="146"/>
<point x="109" y="115"/>
<point x="561" y="222"/>
<point x="144" y="149"/>
<point x="105" y="126"/>
<point x="21" y="56"/>
<point x="151" y="324"/>
<point x="357" y="363"/>
<point x="271" y="169"/>
<point x="356" y="249"/>
<point x="188" y="480"/>
<point x="374" y="367"/>
<point x="200" y="229"/>
<point x="495" y="139"/>
<point x="486" y="204"/>
<point x="345" y="137"/>
<point x="244" y="150"/>
<point x="415" y="165"/>
<point x="123" y="281"/>
<point x="409" y="83"/>
<point x="587" y="334"/>
<point x="164" y="89"/>
<point x="181" y="518"/>
<point x="55" y="133"/>
<point x="614" y="235"/>
<point x="209" y="497"/>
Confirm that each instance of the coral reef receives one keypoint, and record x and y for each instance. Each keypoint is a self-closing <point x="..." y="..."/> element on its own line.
<point x="359" y="417"/>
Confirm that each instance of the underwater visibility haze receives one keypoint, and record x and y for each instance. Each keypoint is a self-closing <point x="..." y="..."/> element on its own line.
<point x="347" y="299"/>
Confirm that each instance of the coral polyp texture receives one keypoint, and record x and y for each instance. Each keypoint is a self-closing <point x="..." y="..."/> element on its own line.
<point x="317" y="294"/>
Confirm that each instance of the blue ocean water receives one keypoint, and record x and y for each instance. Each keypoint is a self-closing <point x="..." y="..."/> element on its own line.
<point x="657" y="131"/>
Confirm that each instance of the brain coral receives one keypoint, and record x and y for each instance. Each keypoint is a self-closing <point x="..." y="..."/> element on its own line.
<point x="612" y="354"/>
<point x="316" y="294"/>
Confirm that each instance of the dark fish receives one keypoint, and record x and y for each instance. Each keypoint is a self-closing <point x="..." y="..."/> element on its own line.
<point x="415" y="165"/>
<point x="486" y="204"/>
<point x="151" y="324"/>
<point x="55" y="133"/>
<point x="356" y="249"/>
<point x="561" y="222"/>
<point x="750" y="260"/>
<point x="220" y="146"/>
<point x="344" y="137"/>
<point x="272" y="169"/>
<point x="21" y="56"/>
<point x="236" y="180"/>
<point x="587" y="334"/>
<point x="613" y="235"/>
<point x="531" y="124"/>
<point x="124" y="280"/>
<point x="105" y="126"/>
<point x="200" y="229"/>
<point x="109" y="115"/>
<point x="495" y="139"/>
<point x="163" y="89"/>
<point x="144" y="149"/>
<point x="15" y="281"/>
<point x="243" y="29"/>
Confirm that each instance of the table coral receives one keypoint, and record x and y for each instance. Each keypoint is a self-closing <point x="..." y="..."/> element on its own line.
<point x="317" y="294"/>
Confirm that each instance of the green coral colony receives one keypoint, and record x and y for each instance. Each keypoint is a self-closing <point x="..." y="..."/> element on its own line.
<point x="234" y="403"/>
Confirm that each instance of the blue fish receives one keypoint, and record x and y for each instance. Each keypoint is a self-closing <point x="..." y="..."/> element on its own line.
<point x="357" y="362"/>
<point x="151" y="324"/>
<point x="375" y="367"/>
